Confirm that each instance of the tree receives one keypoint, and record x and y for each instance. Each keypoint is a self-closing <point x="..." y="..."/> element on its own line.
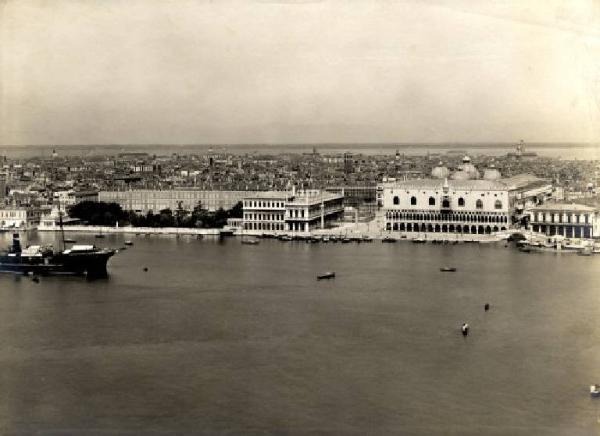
<point x="237" y="211"/>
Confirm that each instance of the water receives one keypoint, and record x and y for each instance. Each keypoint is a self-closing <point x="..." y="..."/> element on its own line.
<point x="224" y="338"/>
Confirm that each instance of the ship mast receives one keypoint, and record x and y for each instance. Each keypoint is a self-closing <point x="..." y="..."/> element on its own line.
<point x="60" y="223"/>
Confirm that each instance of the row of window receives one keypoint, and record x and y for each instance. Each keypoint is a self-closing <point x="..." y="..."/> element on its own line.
<point x="567" y="231"/>
<point x="264" y="226"/>
<point x="264" y="216"/>
<point x="553" y="218"/>
<point x="12" y="214"/>
<point x="444" y="228"/>
<point x="264" y="204"/>
<point x="446" y="202"/>
<point x="459" y="217"/>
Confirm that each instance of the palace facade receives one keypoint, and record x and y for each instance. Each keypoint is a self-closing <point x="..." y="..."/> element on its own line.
<point x="568" y="220"/>
<point x="445" y="206"/>
<point x="293" y="211"/>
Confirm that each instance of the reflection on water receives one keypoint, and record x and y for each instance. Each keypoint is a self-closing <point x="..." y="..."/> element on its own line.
<point x="236" y="339"/>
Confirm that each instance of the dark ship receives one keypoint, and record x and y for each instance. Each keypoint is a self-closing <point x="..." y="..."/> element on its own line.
<point x="85" y="260"/>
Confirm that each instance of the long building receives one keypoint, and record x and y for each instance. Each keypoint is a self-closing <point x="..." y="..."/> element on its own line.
<point x="300" y="211"/>
<point x="568" y="220"/>
<point x="445" y="206"/>
<point x="145" y="200"/>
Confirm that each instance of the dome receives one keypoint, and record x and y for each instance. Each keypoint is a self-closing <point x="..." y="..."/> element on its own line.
<point x="491" y="174"/>
<point x="440" y="172"/>
<point x="466" y="159"/>
<point x="460" y="175"/>
<point x="470" y="170"/>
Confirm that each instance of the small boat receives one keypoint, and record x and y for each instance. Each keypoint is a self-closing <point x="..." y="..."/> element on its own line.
<point x="99" y="236"/>
<point x="388" y="239"/>
<point x="447" y="269"/>
<point x="346" y="240"/>
<point x="419" y="241"/>
<point x="465" y="329"/>
<point x="250" y="241"/>
<point x="327" y="275"/>
<point x="586" y="251"/>
<point x="128" y="243"/>
<point x="70" y="241"/>
<point x="525" y="249"/>
<point x="35" y="279"/>
<point x="595" y="390"/>
<point x="367" y="238"/>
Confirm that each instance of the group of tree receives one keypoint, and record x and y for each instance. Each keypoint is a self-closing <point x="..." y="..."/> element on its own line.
<point x="109" y="214"/>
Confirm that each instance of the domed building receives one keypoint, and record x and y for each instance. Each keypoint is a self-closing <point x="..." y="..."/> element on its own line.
<point x="466" y="171"/>
<point x="460" y="174"/>
<point x="491" y="173"/>
<point x="440" y="172"/>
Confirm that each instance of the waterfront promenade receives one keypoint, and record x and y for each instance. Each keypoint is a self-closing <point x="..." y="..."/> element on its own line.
<point x="347" y="230"/>
<point x="130" y="229"/>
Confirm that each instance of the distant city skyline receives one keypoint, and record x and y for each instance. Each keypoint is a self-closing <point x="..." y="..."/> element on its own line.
<point x="299" y="72"/>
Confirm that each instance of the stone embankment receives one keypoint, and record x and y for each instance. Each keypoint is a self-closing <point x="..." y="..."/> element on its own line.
<point x="127" y="229"/>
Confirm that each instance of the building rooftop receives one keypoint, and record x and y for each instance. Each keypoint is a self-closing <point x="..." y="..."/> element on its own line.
<point x="269" y="195"/>
<point x="568" y="207"/>
<point x="521" y="181"/>
<point x="457" y="185"/>
<point x="316" y="196"/>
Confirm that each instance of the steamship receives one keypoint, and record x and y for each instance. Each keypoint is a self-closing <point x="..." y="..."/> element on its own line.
<point x="87" y="260"/>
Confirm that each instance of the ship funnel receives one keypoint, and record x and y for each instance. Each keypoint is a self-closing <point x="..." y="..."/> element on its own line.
<point x="16" y="245"/>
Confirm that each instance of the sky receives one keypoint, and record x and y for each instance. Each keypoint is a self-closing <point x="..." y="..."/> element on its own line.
<point x="298" y="71"/>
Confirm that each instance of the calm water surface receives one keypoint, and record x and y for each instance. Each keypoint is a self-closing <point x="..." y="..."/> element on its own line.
<point x="224" y="338"/>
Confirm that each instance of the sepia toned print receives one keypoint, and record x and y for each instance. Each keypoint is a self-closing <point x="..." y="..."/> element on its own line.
<point x="290" y="217"/>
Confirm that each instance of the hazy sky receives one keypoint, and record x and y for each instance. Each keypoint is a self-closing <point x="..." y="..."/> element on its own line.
<point x="160" y="72"/>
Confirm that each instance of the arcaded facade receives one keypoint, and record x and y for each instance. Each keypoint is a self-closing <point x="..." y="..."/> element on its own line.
<point x="445" y="206"/>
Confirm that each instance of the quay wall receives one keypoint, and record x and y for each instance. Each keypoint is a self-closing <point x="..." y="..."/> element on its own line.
<point x="127" y="229"/>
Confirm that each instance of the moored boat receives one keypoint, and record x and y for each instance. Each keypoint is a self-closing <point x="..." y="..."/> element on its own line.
<point x="44" y="260"/>
<point x="327" y="275"/>
<point x="586" y="251"/>
<point x="447" y="269"/>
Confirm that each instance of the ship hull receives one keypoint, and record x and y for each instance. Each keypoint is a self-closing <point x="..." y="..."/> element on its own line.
<point x="92" y="265"/>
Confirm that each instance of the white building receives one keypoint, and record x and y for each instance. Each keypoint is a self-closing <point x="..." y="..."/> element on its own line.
<point x="568" y="220"/>
<point x="300" y="211"/>
<point x="265" y="211"/>
<point x="313" y="209"/>
<point x="445" y="206"/>
<point x="19" y="217"/>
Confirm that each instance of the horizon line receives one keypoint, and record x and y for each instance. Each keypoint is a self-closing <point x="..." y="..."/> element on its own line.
<point x="290" y="144"/>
